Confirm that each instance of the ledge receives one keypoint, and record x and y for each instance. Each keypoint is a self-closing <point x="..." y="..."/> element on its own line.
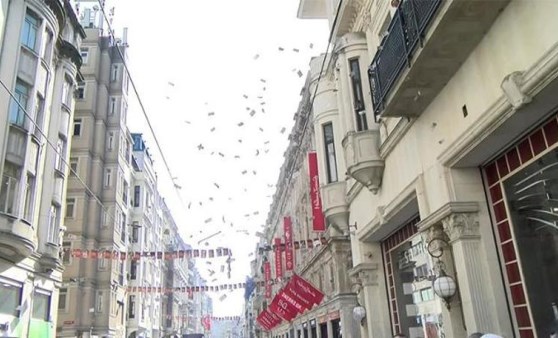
<point x="446" y="210"/>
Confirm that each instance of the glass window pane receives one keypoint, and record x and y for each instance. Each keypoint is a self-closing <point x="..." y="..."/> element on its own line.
<point x="531" y="196"/>
<point x="9" y="299"/>
<point x="41" y="303"/>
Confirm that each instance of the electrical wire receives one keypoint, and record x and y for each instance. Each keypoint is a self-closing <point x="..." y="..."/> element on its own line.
<point x="140" y="102"/>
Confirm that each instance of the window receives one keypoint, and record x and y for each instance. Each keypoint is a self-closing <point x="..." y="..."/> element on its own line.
<point x="114" y="73"/>
<point x="132" y="306"/>
<point x="74" y="162"/>
<point x="29" y="31"/>
<point x="17" y="111"/>
<point x="135" y="232"/>
<point x="77" y="127"/>
<point x="124" y="111"/>
<point x="47" y="46"/>
<point x="60" y="155"/>
<point x="125" y="193"/>
<point x="331" y="162"/>
<point x="9" y="188"/>
<point x="53" y="224"/>
<point x="137" y="194"/>
<point x="41" y="305"/>
<point x="84" y="52"/>
<point x="106" y="217"/>
<point x="39" y="116"/>
<point x="62" y="298"/>
<point x="67" y="92"/>
<point x="29" y="195"/>
<point x="80" y="91"/>
<point x="358" y="99"/>
<point x="108" y="177"/>
<point x="110" y="141"/>
<point x="123" y="228"/>
<point x="10" y="299"/>
<point x="67" y="253"/>
<point x="70" y="207"/>
<point x="99" y="301"/>
<point x="133" y="269"/>
<point x="112" y="108"/>
<point x="102" y="261"/>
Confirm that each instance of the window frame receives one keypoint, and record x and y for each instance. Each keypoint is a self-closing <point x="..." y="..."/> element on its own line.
<point x="73" y="202"/>
<point x="330" y="154"/>
<point x="33" y="28"/>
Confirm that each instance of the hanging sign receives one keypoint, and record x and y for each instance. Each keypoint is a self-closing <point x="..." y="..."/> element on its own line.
<point x="289" y="252"/>
<point x="278" y="258"/>
<point x="318" y="220"/>
<point x="267" y="279"/>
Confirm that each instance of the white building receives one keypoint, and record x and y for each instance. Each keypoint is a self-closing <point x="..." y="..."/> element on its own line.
<point x="444" y="119"/>
<point x="39" y="70"/>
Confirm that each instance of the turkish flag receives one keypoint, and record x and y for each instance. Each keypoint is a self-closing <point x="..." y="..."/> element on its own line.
<point x="283" y="309"/>
<point x="307" y="290"/>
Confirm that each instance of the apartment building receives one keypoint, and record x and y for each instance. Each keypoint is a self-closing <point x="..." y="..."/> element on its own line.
<point x="98" y="201"/>
<point x="39" y="71"/>
<point x="146" y="235"/>
<point x="176" y="274"/>
<point x="443" y="115"/>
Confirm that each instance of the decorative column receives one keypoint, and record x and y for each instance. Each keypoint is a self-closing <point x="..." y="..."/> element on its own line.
<point x="462" y="230"/>
<point x="367" y="279"/>
<point x="435" y="237"/>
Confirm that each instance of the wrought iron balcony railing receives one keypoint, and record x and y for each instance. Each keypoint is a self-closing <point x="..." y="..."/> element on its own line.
<point x="396" y="49"/>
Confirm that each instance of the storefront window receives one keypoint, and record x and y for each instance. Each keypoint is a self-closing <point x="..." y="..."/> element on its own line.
<point x="415" y="311"/>
<point x="532" y="201"/>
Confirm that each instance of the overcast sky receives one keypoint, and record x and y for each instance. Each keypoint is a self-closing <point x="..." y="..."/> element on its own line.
<point x="205" y="69"/>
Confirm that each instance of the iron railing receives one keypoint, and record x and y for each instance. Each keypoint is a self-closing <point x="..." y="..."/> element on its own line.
<point x="396" y="49"/>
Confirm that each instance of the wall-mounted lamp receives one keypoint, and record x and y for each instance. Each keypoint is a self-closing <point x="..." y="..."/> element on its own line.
<point x="353" y="228"/>
<point x="444" y="286"/>
<point x="359" y="314"/>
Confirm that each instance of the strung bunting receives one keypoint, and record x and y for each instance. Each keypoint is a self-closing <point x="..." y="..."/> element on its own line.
<point x="136" y="255"/>
<point x="189" y="289"/>
<point x="297" y="245"/>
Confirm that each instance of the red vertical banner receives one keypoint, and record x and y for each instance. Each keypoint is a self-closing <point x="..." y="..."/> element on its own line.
<point x="289" y="253"/>
<point x="318" y="220"/>
<point x="267" y="278"/>
<point x="278" y="258"/>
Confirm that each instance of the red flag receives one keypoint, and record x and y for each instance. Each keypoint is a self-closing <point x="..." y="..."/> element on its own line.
<point x="289" y="253"/>
<point x="273" y="319"/>
<point x="306" y="290"/>
<point x="283" y="309"/>
<point x="291" y="291"/>
<point x="318" y="220"/>
<point x="266" y="325"/>
<point x="291" y="301"/>
<point x="278" y="259"/>
<point x="267" y="279"/>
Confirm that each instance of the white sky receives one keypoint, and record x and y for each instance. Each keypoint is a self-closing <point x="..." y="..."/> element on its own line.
<point x="206" y="48"/>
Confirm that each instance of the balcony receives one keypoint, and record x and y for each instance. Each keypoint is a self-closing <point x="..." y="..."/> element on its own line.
<point x="335" y="205"/>
<point x="362" y="156"/>
<point x="17" y="239"/>
<point x="426" y="43"/>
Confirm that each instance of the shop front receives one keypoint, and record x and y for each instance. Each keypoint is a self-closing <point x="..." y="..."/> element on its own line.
<point x="522" y="186"/>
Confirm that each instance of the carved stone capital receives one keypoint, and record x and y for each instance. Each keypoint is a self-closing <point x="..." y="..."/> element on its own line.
<point x="364" y="274"/>
<point x="461" y="226"/>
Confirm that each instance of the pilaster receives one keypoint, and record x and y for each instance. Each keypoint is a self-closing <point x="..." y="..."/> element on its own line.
<point x="464" y="236"/>
<point x="370" y="286"/>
